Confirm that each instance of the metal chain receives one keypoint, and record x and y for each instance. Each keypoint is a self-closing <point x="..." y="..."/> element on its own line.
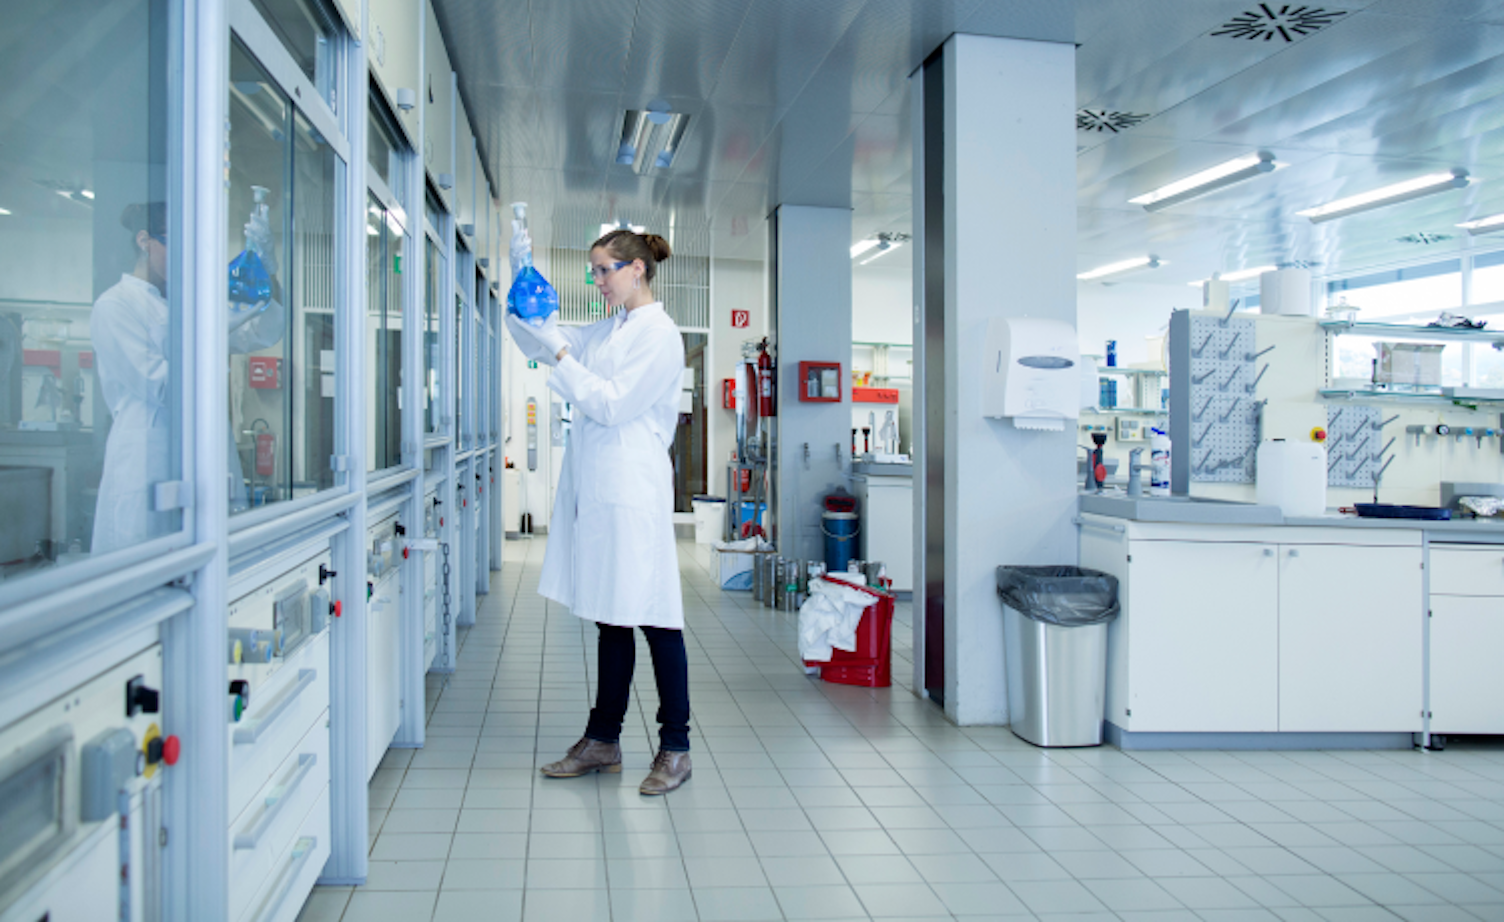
<point x="447" y="662"/>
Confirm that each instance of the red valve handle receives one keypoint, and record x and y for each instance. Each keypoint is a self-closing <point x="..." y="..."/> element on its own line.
<point x="1100" y="472"/>
<point x="339" y="608"/>
<point x="404" y="553"/>
<point x="172" y="748"/>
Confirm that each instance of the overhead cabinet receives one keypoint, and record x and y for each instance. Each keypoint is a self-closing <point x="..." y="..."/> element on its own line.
<point x="393" y="50"/>
<point x="438" y="109"/>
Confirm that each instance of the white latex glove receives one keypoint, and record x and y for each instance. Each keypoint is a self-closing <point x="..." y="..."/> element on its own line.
<point x="239" y="318"/>
<point x="548" y="334"/>
<point x="258" y="236"/>
<point x="525" y="335"/>
<point x="522" y="246"/>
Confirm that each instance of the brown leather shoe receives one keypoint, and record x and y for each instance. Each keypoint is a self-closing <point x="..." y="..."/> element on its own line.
<point x="670" y="769"/>
<point x="586" y="756"/>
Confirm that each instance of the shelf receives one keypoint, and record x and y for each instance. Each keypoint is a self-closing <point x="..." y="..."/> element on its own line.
<point x="1139" y="372"/>
<point x="1126" y="411"/>
<point x="1407" y="331"/>
<point x="1364" y="393"/>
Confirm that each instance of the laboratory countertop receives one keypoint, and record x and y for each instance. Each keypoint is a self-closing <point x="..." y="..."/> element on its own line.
<point x="1203" y="511"/>
<point x="874" y="469"/>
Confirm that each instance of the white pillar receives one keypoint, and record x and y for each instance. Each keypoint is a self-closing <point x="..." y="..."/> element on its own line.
<point x="811" y="310"/>
<point x="995" y="220"/>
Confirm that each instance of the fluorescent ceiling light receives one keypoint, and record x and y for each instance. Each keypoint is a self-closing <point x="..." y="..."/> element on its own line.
<point x="634" y="228"/>
<point x="862" y="246"/>
<point x="1218" y="177"/>
<point x="1388" y="195"/>
<point x="1481" y="226"/>
<point x="1238" y="276"/>
<point x="1127" y="265"/>
<point x="4" y="211"/>
<point x="650" y="140"/>
<point x="86" y="193"/>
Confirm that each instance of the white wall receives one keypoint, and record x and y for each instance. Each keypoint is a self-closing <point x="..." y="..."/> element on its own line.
<point x="882" y="300"/>
<point x="735" y="284"/>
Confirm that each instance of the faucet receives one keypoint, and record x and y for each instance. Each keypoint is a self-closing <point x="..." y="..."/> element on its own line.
<point x="1135" y="470"/>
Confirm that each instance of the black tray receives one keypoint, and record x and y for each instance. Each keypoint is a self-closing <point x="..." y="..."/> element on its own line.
<point x="1387" y="511"/>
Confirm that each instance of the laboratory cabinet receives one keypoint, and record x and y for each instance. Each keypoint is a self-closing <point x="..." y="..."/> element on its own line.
<point x="1261" y="630"/>
<point x="383" y="640"/>
<point x="67" y="769"/>
<point x="887" y="527"/>
<point x="1467" y="634"/>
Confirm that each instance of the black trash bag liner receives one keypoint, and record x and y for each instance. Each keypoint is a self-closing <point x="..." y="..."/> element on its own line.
<point x="1066" y="596"/>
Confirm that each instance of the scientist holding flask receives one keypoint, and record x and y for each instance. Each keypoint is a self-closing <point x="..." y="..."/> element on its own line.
<point x="611" y="554"/>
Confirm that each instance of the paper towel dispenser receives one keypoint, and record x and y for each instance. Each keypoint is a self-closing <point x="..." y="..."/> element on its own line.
<point x="1032" y="372"/>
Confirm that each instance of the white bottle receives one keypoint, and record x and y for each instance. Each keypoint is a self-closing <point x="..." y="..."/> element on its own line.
<point x="1159" y="463"/>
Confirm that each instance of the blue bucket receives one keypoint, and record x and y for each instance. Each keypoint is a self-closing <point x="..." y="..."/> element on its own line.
<point x="749" y="512"/>
<point x="840" y="538"/>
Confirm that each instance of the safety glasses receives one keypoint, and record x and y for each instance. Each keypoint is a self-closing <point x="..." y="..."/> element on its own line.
<point x="600" y="272"/>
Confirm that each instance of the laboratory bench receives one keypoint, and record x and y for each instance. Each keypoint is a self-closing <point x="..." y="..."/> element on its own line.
<point x="1241" y="628"/>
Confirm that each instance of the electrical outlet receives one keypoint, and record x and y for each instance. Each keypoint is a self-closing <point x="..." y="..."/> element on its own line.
<point x="1131" y="429"/>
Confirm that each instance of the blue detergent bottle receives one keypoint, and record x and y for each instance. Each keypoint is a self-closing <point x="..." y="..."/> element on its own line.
<point x="531" y="297"/>
<point x="250" y="283"/>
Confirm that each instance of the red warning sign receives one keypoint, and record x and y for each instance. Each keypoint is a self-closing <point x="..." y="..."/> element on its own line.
<point x="741" y="319"/>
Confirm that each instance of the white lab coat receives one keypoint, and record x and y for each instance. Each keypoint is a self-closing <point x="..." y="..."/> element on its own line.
<point x="130" y="327"/>
<point x="611" y="553"/>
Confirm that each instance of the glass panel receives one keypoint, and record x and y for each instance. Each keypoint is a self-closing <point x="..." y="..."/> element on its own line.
<point x="431" y="344"/>
<point x="315" y="181"/>
<point x="384" y="239"/>
<point x="308" y="35"/>
<point x="690" y="440"/>
<point x="382" y="152"/>
<point x="461" y="366"/>
<point x="281" y="294"/>
<point x="1488" y="279"/>
<point x="89" y="413"/>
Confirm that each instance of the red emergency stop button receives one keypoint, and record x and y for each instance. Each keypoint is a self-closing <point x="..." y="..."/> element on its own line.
<point x="339" y="608"/>
<point x="1318" y="434"/>
<point x="172" y="748"/>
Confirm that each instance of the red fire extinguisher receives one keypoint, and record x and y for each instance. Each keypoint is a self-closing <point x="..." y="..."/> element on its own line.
<point x="767" y="406"/>
<point x="266" y="449"/>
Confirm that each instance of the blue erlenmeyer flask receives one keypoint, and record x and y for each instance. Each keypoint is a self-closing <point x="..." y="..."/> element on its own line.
<point x="531" y="297"/>
<point x="250" y="283"/>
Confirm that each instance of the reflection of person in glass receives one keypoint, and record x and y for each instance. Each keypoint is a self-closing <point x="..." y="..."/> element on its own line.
<point x="130" y="327"/>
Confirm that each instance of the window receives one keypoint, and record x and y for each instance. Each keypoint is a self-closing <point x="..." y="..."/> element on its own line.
<point x="432" y="345"/>
<point x="90" y="408"/>
<point x="1400" y="295"/>
<point x="282" y="183"/>
<point x="383" y="152"/>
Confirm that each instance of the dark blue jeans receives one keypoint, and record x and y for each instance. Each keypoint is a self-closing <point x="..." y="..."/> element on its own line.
<point x="616" y="657"/>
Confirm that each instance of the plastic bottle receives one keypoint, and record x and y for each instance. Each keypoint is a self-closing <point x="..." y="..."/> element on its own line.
<point x="250" y="283"/>
<point x="1159" y="463"/>
<point x="531" y="297"/>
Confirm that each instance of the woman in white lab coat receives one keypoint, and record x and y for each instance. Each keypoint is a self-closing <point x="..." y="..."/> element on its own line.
<point x="611" y="553"/>
<point x="130" y="328"/>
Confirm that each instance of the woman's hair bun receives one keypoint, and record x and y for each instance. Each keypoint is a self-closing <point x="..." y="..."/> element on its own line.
<point x="658" y="247"/>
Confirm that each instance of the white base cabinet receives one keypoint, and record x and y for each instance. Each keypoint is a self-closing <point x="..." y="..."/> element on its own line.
<point x="1261" y="630"/>
<point x="1467" y="636"/>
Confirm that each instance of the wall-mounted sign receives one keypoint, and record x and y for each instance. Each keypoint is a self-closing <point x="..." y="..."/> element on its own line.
<point x="741" y="319"/>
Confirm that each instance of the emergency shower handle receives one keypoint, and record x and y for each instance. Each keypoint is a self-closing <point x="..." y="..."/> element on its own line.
<point x="252" y="731"/>
<point x="279" y="796"/>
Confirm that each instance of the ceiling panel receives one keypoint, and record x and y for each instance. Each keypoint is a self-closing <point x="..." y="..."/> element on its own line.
<point x="489" y="43"/>
<point x="581" y="44"/>
<point x="1028" y="19"/>
<point x="685" y="53"/>
<point x="779" y="46"/>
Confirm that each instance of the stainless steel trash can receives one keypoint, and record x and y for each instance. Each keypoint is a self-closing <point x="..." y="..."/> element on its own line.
<point x="1055" y="623"/>
<point x="1057" y="680"/>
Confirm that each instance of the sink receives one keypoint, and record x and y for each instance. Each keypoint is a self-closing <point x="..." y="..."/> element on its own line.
<point x="1197" y="510"/>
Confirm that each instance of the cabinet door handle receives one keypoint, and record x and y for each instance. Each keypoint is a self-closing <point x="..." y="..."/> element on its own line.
<point x="1294" y="552"/>
<point x="252" y="730"/>
<point x="1268" y="552"/>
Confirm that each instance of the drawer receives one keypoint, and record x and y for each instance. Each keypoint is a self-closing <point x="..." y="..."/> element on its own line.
<point x="1467" y="570"/>
<point x="281" y="896"/>
<point x="268" y="827"/>
<point x="279" y="717"/>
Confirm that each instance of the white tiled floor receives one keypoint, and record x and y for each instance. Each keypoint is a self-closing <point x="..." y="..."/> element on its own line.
<point x="818" y="801"/>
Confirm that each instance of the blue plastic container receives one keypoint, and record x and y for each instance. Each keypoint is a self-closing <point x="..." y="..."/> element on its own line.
<point x="746" y="513"/>
<point x="840" y="539"/>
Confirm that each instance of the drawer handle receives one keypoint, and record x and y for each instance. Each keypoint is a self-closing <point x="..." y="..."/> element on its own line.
<point x="250" y="731"/>
<point x="279" y="796"/>
<point x="304" y="847"/>
<point x="1268" y="552"/>
<point x="1294" y="552"/>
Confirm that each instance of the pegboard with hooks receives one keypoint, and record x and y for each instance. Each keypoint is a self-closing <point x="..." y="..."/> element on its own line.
<point x="1213" y="380"/>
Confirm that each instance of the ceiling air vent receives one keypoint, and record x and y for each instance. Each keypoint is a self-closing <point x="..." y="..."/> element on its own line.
<point x="1423" y="238"/>
<point x="1103" y="121"/>
<point x="1289" y="21"/>
<point x="1300" y="264"/>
